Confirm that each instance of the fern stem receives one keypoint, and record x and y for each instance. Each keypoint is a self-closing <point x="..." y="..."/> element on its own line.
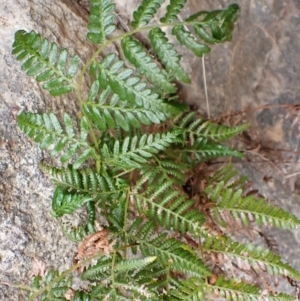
<point x="113" y="284"/>
<point x="126" y="220"/>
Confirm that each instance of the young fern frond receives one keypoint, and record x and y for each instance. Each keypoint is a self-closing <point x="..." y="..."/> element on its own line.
<point x="47" y="131"/>
<point x="145" y="12"/>
<point x="48" y="64"/>
<point x="101" y="20"/>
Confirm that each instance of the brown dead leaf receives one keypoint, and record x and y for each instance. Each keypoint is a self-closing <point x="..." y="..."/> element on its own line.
<point x="95" y="243"/>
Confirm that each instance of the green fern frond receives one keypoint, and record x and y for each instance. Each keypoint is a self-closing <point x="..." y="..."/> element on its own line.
<point x="133" y="152"/>
<point x="101" y="20"/>
<point x="145" y="12"/>
<point x="47" y="131"/>
<point x="186" y="39"/>
<point x="196" y="289"/>
<point x="230" y="178"/>
<point x="81" y="296"/>
<point x="249" y="256"/>
<point x="169" y="207"/>
<point x="122" y="279"/>
<point x="163" y="170"/>
<point x="85" y="182"/>
<point x="167" y="54"/>
<point x="101" y="270"/>
<point x="133" y="264"/>
<point x="198" y="127"/>
<point x="170" y="252"/>
<point x="247" y="208"/>
<point x="173" y="10"/>
<point x="204" y="149"/>
<point x="48" y="64"/>
<point x="64" y="202"/>
<point x="220" y="24"/>
<point x="119" y="113"/>
<point x="137" y="55"/>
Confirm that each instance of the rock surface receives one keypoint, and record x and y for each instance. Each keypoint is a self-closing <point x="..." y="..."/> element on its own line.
<point x="259" y="67"/>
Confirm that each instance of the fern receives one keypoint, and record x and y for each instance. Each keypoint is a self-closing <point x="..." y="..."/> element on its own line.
<point x="247" y="208"/>
<point x="250" y="256"/>
<point x="136" y="55"/>
<point x="145" y="12"/>
<point x="173" y="10"/>
<point x="167" y="54"/>
<point x="47" y="131"/>
<point x="128" y="158"/>
<point x="48" y="64"/>
<point x="193" y="289"/>
<point x="101" y="20"/>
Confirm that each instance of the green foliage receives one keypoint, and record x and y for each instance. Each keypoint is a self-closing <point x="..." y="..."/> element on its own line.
<point x="101" y="21"/>
<point x="46" y="62"/>
<point x="127" y="159"/>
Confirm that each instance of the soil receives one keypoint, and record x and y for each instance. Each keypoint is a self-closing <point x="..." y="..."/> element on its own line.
<point x="253" y="78"/>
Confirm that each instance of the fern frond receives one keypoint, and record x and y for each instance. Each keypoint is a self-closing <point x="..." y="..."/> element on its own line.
<point x="173" y="10"/>
<point x="170" y="208"/>
<point x="145" y="12"/>
<point x="137" y="55"/>
<point x="86" y="182"/>
<point x="123" y="279"/>
<point x="133" y="264"/>
<point x="48" y="64"/>
<point x="170" y="252"/>
<point x="204" y="149"/>
<point x="125" y="99"/>
<point x="101" y="270"/>
<point x="64" y="202"/>
<point x="119" y="113"/>
<point x="186" y="39"/>
<point x="163" y="170"/>
<point x="196" y="289"/>
<point x="47" y="131"/>
<point x="198" y="127"/>
<point x="249" y="256"/>
<point x="101" y="20"/>
<point x="215" y="26"/>
<point x="247" y="208"/>
<point x="133" y="152"/>
<point x="167" y="54"/>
